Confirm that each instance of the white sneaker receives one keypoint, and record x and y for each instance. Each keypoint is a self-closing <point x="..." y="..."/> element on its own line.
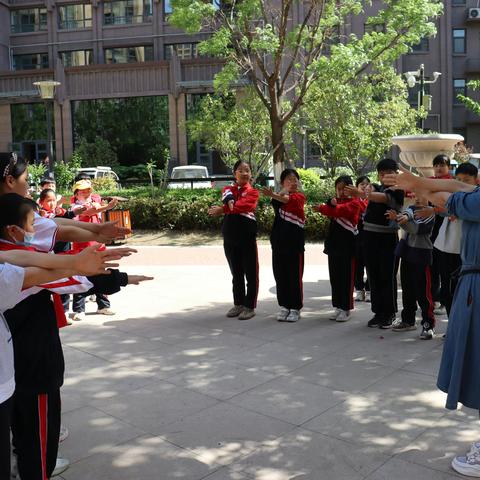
<point x="61" y="465"/>
<point x="283" y="314"/>
<point x="344" y="316"/>
<point x="63" y="433"/>
<point x="77" y="316"/>
<point x="469" y="464"/>
<point x="14" y="467"/>
<point x="105" y="311"/>
<point x="360" y="296"/>
<point x="335" y="314"/>
<point x="368" y="298"/>
<point x="293" y="316"/>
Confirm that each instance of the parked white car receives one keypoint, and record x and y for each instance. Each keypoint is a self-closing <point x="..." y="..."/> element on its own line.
<point x="98" y="172"/>
<point x="180" y="177"/>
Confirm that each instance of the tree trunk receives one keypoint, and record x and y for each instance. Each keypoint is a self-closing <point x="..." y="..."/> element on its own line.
<point x="278" y="149"/>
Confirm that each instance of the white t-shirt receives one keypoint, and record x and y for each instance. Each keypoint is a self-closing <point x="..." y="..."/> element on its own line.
<point x="449" y="237"/>
<point x="45" y="233"/>
<point x="11" y="283"/>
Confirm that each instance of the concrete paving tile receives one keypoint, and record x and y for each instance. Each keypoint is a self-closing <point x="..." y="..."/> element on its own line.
<point x="221" y="379"/>
<point x="396" y="469"/>
<point x="310" y="456"/>
<point x="276" y="358"/>
<point x="427" y="364"/>
<point x="226" y="473"/>
<point x="93" y="431"/>
<point x="289" y="399"/>
<point x="436" y="447"/>
<point x="153" y="407"/>
<point x="145" y="458"/>
<point x="223" y="433"/>
<point x="340" y="373"/>
<point x="387" y="416"/>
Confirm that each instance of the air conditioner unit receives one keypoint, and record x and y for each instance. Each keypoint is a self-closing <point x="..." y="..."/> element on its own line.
<point x="474" y="13"/>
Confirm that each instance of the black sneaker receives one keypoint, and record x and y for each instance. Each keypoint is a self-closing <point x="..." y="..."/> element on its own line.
<point x="374" y="322"/>
<point x="427" y="333"/>
<point x="387" y="322"/>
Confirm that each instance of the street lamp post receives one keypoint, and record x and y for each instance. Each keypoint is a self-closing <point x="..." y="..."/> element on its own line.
<point x="418" y="77"/>
<point x="46" y="90"/>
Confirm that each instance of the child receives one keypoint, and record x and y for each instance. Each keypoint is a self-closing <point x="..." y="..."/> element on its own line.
<point x="380" y="240"/>
<point x="344" y="212"/>
<point x="362" y="285"/>
<point x="239" y="231"/>
<point x="447" y="243"/>
<point x="288" y="245"/>
<point x="88" y="207"/>
<point x="415" y="250"/>
<point x="38" y="355"/>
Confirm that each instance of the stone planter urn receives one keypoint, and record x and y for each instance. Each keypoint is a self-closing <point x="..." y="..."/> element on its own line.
<point x="418" y="151"/>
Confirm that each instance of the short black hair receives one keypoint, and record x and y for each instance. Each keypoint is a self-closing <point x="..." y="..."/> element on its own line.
<point x="47" y="180"/>
<point x="387" y="164"/>
<point x="238" y="163"/>
<point x="441" y="159"/>
<point x="361" y="179"/>
<point x="44" y="193"/>
<point x="82" y="176"/>
<point x="287" y="172"/>
<point x="15" y="209"/>
<point x="346" y="179"/>
<point x="467" y="168"/>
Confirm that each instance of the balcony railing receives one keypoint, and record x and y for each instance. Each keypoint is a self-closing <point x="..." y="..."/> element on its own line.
<point x="111" y="19"/>
<point x="28" y="27"/>
<point x="74" y="24"/>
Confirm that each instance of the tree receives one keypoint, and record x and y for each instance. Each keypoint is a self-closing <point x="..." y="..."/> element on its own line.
<point x="236" y="125"/>
<point x="470" y="103"/>
<point x="282" y="59"/>
<point x="353" y="123"/>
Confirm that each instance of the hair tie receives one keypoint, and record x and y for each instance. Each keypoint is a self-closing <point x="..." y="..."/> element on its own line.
<point x="14" y="157"/>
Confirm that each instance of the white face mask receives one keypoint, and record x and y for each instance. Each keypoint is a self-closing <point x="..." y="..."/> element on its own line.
<point x="28" y="238"/>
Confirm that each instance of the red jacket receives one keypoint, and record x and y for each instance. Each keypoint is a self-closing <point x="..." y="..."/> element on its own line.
<point x="347" y="212"/>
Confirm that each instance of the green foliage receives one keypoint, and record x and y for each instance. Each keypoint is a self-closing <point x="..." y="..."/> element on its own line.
<point x="282" y="60"/>
<point x="96" y="153"/>
<point x="104" y="183"/>
<point x="29" y="121"/>
<point x="36" y="172"/>
<point x="134" y="129"/>
<point x="65" y="172"/>
<point x="470" y="103"/>
<point x="186" y="210"/>
<point x="235" y="125"/>
<point x="353" y="122"/>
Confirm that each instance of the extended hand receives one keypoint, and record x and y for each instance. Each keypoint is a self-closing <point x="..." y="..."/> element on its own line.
<point x="352" y="191"/>
<point x="112" y="203"/>
<point x="267" y="191"/>
<point x="110" y="231"/>
<point x="402" y="219"/>
<point x="401" y="181"/>
<point x="92" y="262"/>
<point x="391" y="214"/>
<point x="424" y="212"/>
<point x="118" y="253"/>
<point x="136" y="279"/>
<point x="230" y="204"/>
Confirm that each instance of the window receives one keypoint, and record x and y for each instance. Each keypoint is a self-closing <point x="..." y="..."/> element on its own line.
<point x="422" y="46"/>
<point x="77" y="58"/>
<point x="374" y="27"/>
<point x="459" y="40"/>
<point x="31" y="20"/>
<point x="184" y="51"/>
<point x="75" y="16"/>
<point x="459" y="88"/>
<point x="127" y="11"/>
<point x="129" y="54"/>
<point x="458" y="2"/>
<point x="30" y="61"/>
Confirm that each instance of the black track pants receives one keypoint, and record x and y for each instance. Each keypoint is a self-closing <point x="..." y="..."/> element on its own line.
<point x="341" y="270"/>
<point x="288" y="273"/>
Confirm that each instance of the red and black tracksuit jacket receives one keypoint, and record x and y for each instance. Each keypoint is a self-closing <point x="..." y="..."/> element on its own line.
<point x="340" y="248"/>
<point x="239" y="231"/>
<point x="288" y="246"/>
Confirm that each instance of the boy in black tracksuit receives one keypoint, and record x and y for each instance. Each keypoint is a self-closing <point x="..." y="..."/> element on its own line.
<point x="39" y="369"/>
<point x="415" y="250"/>
<point x="380" y="241"/>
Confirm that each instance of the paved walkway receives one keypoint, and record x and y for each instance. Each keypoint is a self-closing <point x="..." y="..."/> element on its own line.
<point x="170" y="388"/>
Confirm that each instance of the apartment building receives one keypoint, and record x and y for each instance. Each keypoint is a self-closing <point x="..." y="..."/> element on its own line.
<point x="126" y="48"/>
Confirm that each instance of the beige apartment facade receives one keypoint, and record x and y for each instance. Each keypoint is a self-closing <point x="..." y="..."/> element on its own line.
<point x="126" y="48"/>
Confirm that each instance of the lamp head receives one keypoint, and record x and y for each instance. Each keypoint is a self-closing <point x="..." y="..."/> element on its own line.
<point x="436" y="75"/>
<point x="411" y="80"/>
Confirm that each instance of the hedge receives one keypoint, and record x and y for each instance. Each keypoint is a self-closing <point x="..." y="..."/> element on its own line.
<point x="186" y="210"/>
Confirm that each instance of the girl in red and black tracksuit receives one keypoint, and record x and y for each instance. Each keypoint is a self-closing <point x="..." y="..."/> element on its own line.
<point x="239" y="231"/>
<point x="288" y="245"/>
<point x="340" y="247"/>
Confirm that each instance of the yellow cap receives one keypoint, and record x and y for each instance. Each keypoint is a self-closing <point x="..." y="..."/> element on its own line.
<point x="82" y="185"/>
